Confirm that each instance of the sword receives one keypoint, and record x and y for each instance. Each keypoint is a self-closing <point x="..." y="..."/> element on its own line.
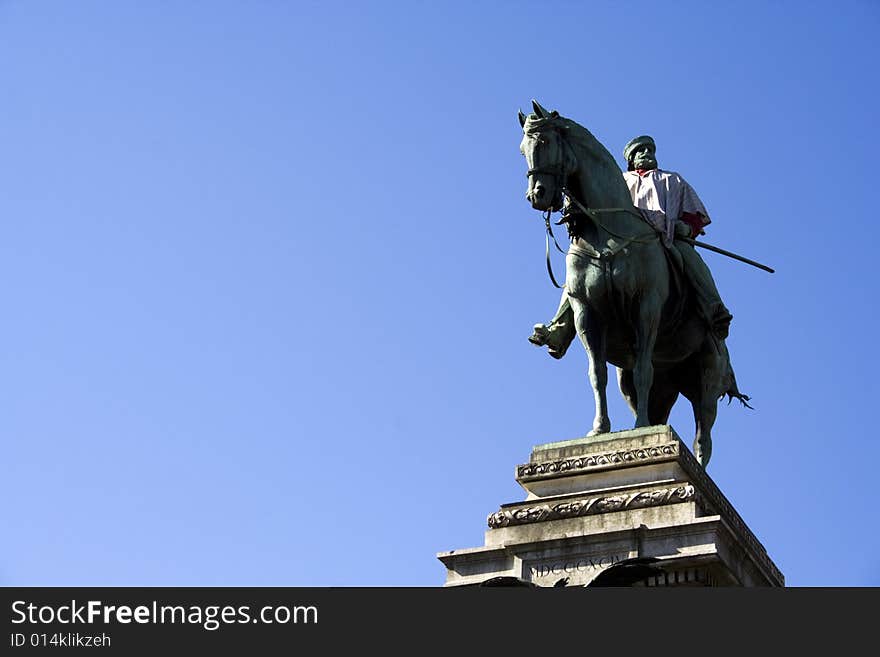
<point x="703" y="245"/>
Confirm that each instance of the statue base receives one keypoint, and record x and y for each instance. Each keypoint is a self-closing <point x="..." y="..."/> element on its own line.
<point x="632" y="506"/>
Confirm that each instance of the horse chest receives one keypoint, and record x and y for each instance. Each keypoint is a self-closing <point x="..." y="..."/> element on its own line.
<point x="590" y="283"/>
<point x="589" y="278"/>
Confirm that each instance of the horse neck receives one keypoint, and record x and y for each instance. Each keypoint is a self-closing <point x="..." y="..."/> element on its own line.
<point x="598" y="183"/>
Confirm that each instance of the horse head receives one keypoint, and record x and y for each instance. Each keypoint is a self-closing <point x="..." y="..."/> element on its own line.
<point x="548" y="157"/>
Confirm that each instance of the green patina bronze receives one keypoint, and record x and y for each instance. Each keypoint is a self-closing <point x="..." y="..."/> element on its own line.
<point x="640" y="153"/>
<point x="651" y="310"/>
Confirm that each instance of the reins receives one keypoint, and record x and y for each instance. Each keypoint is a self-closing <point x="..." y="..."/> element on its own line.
<point x="589" y="250"/>
<point x="547" y="239"/>
<point x="594" y="212"/>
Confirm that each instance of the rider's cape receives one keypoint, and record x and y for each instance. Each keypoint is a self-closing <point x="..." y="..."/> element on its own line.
<point x="662" y="197"/>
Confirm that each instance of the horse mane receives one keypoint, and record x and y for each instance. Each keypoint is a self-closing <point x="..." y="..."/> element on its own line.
<point x="575" y="133"/>
<point x="578" y="135"/>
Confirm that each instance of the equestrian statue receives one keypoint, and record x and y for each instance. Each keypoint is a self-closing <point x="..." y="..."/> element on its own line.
<point x="636" y="292"/>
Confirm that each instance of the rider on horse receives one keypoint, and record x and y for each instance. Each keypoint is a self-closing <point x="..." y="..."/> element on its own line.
<point x="671" y="206"/>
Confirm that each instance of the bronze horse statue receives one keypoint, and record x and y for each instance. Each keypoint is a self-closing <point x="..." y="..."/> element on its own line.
<point x="631" y="308"/>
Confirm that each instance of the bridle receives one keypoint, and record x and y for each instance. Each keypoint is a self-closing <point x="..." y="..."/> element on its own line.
<point x="557" y="169"/>
<point x="560" y="177"/>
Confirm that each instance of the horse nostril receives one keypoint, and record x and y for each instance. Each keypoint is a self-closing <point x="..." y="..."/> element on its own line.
<point x="539" y="192"/>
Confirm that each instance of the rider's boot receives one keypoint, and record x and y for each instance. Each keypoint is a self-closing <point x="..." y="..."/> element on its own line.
<point x="554" y="336"/>
<point x="559" y="333"/>
<point x="709" y="303"/>
<point x="720" y="321"/>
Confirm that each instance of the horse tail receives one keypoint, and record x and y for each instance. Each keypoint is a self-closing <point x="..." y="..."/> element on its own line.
<point x="732" y="391"/>
<point x="743" y="399"/>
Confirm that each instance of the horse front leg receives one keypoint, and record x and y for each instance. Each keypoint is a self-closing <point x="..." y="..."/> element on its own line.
<point x="591" y="331"/>
<point x="643" y="371"/>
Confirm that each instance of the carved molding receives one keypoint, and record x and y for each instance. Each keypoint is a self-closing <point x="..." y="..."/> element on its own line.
<point x="593" y="461"/>
<point x="590" y="506"/>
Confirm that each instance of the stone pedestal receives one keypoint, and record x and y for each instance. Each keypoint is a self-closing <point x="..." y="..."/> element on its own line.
<point x="635" y="501"/>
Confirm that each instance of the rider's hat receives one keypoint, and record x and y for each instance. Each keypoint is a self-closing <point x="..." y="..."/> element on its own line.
<point x="632" y="144"/>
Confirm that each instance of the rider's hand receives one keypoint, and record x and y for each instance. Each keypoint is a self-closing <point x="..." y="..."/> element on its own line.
<point x="682" y="229"/>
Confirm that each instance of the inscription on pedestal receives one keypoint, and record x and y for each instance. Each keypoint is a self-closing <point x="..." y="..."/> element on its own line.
<point x="579" y="570"/>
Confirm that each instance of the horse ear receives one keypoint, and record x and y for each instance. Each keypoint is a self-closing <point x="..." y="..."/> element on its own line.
<point x="540" y="111"/>
<point x="522" y="119"/>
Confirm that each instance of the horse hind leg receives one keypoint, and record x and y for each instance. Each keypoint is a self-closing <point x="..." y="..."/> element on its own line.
<point x="627" y="388"/>
<point x="716" y="380"/>
<point x="663" y="396"/>
<point x="711" y="376"/>
<point x="705" y="409"/>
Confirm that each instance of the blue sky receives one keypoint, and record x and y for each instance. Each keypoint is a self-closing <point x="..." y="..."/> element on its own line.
<point x="268" y="274"/>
